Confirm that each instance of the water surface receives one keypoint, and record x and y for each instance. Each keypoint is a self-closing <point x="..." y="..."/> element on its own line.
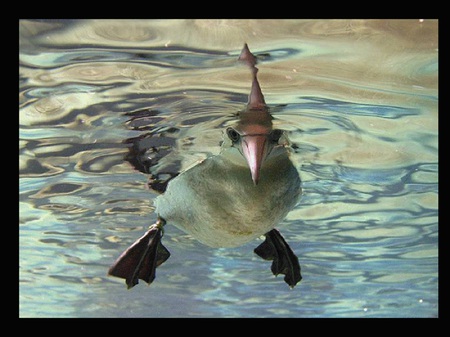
<point x="359" y="99"/>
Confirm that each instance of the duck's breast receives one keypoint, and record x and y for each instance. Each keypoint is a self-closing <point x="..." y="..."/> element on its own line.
<point x="218" y="204"/>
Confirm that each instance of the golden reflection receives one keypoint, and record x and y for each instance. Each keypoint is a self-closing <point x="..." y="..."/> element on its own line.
<point x="62" y="208"/>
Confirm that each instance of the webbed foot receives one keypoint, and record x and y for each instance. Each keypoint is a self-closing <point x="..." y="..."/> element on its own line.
<point x="284" y="260"/>
<point x="142" y="258"/>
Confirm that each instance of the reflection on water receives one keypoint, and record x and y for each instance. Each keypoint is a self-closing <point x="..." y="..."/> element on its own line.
<point x="358" y="98"/>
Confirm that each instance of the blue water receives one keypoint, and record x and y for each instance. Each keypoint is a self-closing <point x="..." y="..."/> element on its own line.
<point x="358" y="98"/>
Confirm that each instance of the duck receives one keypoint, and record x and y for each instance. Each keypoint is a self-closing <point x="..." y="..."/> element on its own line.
<point x="228" y="199"/>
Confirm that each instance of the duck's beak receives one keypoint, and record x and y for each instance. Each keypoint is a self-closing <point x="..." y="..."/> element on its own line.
<point x="254" y="148"/>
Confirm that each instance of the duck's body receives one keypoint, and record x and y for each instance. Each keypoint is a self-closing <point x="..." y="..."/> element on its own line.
<point x="217" y="202"/>
<point x="229" y="199"/>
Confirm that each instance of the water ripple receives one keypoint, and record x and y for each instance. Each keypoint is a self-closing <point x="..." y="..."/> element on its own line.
<point x="360" y="109"/>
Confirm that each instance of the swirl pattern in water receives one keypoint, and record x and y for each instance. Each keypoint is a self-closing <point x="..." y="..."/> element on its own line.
<point x="358" y="101"/>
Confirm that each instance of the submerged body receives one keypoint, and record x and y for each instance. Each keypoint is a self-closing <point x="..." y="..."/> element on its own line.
<point x="229" y="199"/>
<point x="217" y="202"/>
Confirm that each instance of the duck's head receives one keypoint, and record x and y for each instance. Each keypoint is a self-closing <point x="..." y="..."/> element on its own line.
<point x="255" y="139"/>
<point x="253" y="134"/>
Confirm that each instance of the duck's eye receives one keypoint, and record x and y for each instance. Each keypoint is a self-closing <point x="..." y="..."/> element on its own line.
<point x="275" y="135"/>
<point x="233" y="135"/>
